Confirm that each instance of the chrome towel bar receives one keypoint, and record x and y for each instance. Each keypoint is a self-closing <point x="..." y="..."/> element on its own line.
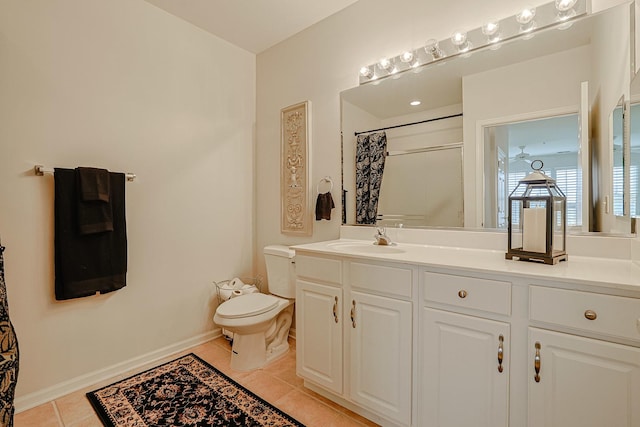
<point x="40" y="170"/>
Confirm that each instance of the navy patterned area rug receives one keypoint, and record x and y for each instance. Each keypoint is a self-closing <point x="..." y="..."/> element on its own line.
<point x="184" y="392"/>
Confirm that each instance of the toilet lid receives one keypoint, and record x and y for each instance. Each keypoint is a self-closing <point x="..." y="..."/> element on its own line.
<point x="247" y="305"/>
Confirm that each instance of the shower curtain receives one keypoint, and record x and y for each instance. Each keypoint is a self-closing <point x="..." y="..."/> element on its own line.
<point x="371" y="152"/>
<point x="8" y="354"/>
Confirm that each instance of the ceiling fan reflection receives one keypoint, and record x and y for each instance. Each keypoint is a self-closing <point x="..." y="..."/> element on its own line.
<point x="522" y="156"/>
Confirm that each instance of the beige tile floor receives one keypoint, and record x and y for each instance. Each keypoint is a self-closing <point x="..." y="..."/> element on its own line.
<point x="276" y="383"/>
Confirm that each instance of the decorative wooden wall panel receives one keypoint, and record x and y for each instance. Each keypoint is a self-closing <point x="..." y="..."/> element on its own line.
<point x="295" y="130"/>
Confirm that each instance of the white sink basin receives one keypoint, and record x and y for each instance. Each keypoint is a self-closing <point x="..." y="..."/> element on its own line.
<point x="366" y="248"/>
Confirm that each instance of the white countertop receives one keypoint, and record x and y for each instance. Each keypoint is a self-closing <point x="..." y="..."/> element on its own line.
<point x="621" y="275"/>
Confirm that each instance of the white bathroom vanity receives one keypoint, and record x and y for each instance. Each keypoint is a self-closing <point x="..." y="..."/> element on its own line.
<point x="444" y="331"/>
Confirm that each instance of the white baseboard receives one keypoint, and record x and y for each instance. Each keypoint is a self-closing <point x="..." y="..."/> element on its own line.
<point x="36" y="398"/>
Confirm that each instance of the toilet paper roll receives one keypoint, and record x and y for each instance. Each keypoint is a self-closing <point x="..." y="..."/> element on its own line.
<point x="236" y="293"/>
<point x="225" y="292"/>
<point x="236" y="283"/>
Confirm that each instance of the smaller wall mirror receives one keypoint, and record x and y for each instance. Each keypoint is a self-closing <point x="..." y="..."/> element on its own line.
<point x="633" y="151"/>
<point x="634" y="154"/>
<point x="620" y="206"/>
<point x="626" y="159"/>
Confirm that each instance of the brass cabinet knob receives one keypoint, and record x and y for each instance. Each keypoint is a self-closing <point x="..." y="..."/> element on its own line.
<point x="590" y="314"/>
<point x="462" y="293"/>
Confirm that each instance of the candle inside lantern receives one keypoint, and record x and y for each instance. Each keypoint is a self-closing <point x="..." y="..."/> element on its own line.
<point x="534" y="230"/>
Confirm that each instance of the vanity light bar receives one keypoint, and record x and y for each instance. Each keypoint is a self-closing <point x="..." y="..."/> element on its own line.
<point x="492" y="35"/>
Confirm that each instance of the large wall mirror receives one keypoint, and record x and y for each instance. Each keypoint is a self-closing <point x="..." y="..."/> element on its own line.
<point x="459" y="133"/>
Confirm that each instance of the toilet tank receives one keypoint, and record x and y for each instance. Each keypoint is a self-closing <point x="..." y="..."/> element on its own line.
<point x="281" y="274"/>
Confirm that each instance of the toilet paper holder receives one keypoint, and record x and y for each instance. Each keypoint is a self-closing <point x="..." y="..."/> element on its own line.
<point x="227" y="289"/>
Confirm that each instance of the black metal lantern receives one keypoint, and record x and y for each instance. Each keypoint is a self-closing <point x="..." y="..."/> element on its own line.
<point x="537" y="219"/>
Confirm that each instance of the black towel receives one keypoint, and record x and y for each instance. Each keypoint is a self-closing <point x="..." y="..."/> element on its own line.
<point x="324" y="204"/>
<point x="94" y="184"/>
<point x="93" y="200"/>
<point x="88" y="263"/>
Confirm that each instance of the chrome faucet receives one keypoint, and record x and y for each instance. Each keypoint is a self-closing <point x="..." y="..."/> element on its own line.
<point x="381" y="237"/>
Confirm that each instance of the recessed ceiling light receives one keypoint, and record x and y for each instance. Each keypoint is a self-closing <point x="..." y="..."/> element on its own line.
<point x="414" y="103"/>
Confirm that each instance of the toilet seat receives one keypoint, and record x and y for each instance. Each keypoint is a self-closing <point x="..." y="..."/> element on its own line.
<point x="247" y="305"/>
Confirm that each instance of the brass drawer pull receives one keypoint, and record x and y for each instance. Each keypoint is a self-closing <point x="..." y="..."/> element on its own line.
<point x="590" y="314"/>
<point x="536" y="363"/>
<point x="500" y="352"/>
<point x="462" y="293"/>
<point x="353" y="313"/>
<point x="335" y="309"/>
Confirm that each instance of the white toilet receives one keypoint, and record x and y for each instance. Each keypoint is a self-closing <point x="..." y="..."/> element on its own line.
<point x="259" y="322"/>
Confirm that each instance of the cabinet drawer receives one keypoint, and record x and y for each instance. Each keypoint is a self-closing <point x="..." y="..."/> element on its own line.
<point x="480" y="294"/>
<point x="386" y="280"/>
<point x="615" y="316"/>
<point x="323" y="269"/>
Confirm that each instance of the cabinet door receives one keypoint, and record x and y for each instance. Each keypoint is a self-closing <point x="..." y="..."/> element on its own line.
<point x="380" y="374"/>
<point x="319" y="334"/>
<point x="463" y="383"/>
<point x="582" y="382"/>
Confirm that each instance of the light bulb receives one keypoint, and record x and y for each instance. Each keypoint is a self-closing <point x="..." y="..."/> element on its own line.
<point x="415" y="103"/>
<point x="526" y="16"/>
<point x="385" y="64"/>
<point x="366" y="72"/>
<point x="433" y="49"/>
<point x="525" y="19"/>
<point x="459" y="40"/>
<point x="565" y="10"/>
<point x="492" y="31"/>
<point x="564" y="5"/>
<point x="407" y="56"/>
<point x="490" y="28"/>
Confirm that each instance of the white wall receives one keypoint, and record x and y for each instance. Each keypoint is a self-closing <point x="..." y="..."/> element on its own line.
<point x="122" y="85"/>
